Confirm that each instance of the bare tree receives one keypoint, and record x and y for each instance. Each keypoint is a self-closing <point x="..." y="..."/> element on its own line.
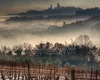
<point x="83" y="40"/>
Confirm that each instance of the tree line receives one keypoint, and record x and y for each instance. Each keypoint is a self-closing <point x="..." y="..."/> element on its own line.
<point x="80" y="52"/>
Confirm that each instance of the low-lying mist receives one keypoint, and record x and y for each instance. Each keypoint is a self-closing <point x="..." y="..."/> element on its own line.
<point x="34" y="32"/>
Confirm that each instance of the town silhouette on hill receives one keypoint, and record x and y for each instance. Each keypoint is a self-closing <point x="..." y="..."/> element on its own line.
<point x="58" y="12"/>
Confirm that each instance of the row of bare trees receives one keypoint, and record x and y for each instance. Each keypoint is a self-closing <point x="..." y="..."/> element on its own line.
<point x="81" y="49"/>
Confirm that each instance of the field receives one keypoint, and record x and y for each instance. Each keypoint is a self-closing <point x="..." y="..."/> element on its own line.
<point x="43" y="72"/>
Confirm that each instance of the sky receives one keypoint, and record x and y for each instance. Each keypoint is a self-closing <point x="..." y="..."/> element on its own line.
<point x="13" y="6"/>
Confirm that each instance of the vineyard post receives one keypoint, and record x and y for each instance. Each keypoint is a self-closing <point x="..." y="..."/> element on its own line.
<point x="19" y="75"/>
<point x="91" y="74"/>
<point x="28" y="71"/>
<point x="96" y="75"/>
<point x="39" y="70"/>
<point x="72" y="74"/>
<point x="54" y="72"/>
<point x="50" y="72"/>
<point x="15" y="73"/>
<point x="10" y="70"/>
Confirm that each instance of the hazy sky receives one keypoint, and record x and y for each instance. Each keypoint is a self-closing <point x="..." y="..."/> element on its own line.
<point x="8" y="6"/>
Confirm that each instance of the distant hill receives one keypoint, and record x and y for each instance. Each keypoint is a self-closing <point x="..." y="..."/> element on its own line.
<point x="57" y="13"/>
<point x="59" y="10"/>
<point x="78" y="26"/>
<point x="52" y="12"/>
<point x="88" y="12"/>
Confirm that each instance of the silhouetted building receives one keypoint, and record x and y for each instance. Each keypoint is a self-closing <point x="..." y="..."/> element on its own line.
<point x="58" y="6"/>
<point x="50" y="7"/>
<point x="64" y="23"/>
